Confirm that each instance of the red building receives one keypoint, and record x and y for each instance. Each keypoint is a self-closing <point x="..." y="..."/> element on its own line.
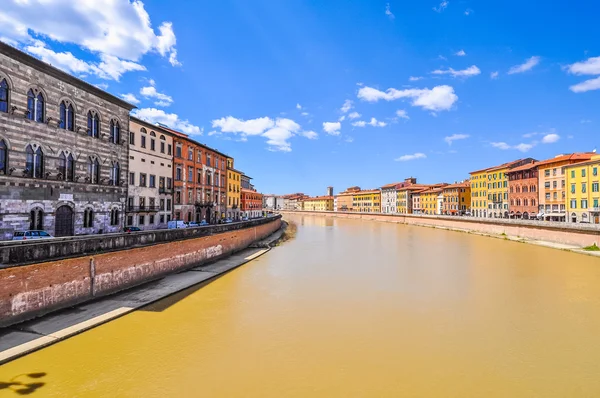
<point x="523" y="191"/>
<point x="251" y="203"/>
<point x="199" y="179"/>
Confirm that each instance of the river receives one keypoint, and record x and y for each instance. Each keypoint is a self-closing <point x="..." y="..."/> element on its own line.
<point x="352" y="308"/>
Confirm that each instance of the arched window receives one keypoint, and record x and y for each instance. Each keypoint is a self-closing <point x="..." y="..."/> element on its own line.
<point x="88" y="218"/>
<point x="115" y="174"/>
<point x="93" y="124"/>
<point x="115" y="132"/>
<point x="66" y="166"/>
<point x="94" y="171"/>
<point x="67" y="116"/>
<point x="35" y="106"/>
<point x="34" y="162"/>
<point x="114" y="216"/>
<point x="4" y="89"/>
<point x="36" y="219"/>
<point x="3" y="157"/>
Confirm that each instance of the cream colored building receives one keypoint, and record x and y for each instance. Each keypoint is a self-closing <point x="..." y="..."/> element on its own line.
<point x="150" y="181"/>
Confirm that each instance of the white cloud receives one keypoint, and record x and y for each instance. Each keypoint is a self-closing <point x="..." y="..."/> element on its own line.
<point x="354" y="115"/>
<point x="388" y="11"/>
<point x="119" y="28"/>
<point x="161" y="99"/>
<point x="342" y="118"/>
<point x="130" y="98"/>
<point x="524" y="67"/>
<point x="153" y="115"/>
<point x="442" y="58"/>
<point x="443" y="5"/>
<point x="415" y="78"/>
<point x="460" y="53"/>
<point x="550" y="138"/>
<point x="347" y="106"/>
<point x="414" y="156"/>
<point x="523" y="147"/>
<point x="500" y="145"/>
<point x="305" y="114"/>
<point x="470" y="71"/>
<point x="590" y="66"/>
<point x="494" y="75"/>
<point x="349" y="139"/>
<point x="588" y="85"/>
<point x="401" y="113"/>
<point x="455" y="137"/>
<point x="298" y="106"/>
<point x="359" y="123"/>
<point x="374" y="122"/>
<point x="109" y="67"/>
<point x="311" y="135"/>
<point x="277" y="132"/>
<point x="436" y="99"/>
<point x="102" y="86"/>
<point x="332" y="128"/>
<point x="468" y="12"/>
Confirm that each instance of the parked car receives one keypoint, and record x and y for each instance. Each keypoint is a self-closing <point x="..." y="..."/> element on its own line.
<point x="193" y="224"/>
<point x="203" y="223"/>
<point x="131" y="229"/>
<point x="228" y="221"/>
<point x="244" y="218"/>
<point x="28" y="235"/>
<point x="175" y="224"/>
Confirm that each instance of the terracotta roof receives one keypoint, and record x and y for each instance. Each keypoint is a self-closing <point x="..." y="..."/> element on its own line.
<point x="506" y="165"/>
<point x="392" y="185"/>
<point x="186" y="137"/>
<point x="575" y="157"/>
<point x="527" y="166"/>
<point x="479" y="171"/>
<point x="592" y="161"/>
<point x="463" y="184"/>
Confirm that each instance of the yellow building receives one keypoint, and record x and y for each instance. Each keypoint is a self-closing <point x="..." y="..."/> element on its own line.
<point x="432" y="200"/>
<point x="583" y="191"/>
<point x="368" y="201"/>
<point x="233" y="191"/>
<point x="405" y="200"/>
<point x="319" y="203"/>
<point x="479" y="193"/>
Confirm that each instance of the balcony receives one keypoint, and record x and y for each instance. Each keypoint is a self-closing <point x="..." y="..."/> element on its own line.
<point x="143" y="209"/>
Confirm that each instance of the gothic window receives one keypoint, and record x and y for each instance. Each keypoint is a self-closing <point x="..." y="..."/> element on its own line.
<point x="115" y="174"/>
<point x="67" y="116"/>
<point x="36" y="219"/>
<point x="4" y="91"/>
<point x="114" y="216"/>
<point x="93" y="124"/>
<point x="35" y="106"/>
<point x="3" y="157"/>
<point x="88" y="218"/>
<point x="34" y="162"/>
<point x="94" y="171"/>
<point x="115" y="132"/>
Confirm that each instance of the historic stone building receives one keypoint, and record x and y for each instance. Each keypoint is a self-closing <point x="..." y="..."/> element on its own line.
<point x="150" y="193"/>
<point x="63" y="150"/>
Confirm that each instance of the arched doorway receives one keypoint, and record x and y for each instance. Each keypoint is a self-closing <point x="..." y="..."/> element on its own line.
<point x="63" y="225"/>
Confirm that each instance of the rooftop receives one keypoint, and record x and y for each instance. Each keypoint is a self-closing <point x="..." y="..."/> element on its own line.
<point x="574" y="157"/>
<point x="527" y="166"/>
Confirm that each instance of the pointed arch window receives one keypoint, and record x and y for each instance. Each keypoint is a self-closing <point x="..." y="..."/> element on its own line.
<point x="115" y="132"/>
<point x="36" y="219"/>
<point x="88" y="218"/>
<point x="4" y="90"/>
<point x="114" y="216"/>
<point x="3" y="157"/>
<point x="34" y="162"/>
<point x="93" y="124"/>
<point x="94" y="171"/>
<point x="115" y="174"/>
<point x="67" y="116"/>
<point x="35" y="106"/>
<point x="66" y="166"/>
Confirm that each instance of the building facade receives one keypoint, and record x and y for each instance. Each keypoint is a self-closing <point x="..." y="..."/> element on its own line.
<point x="273" y="202"/>
<point x="234" y="188"/>
<point x="457" y="198"/>
<point x="293" y="201"/>
<point x="150" y="179"/>
<point x="432" y="200"/>
<point x="416" y="201"/>
<point x="479" y="193"/>
<point x="497" y="187"/>
<point x="345" y="201"/>
<point x="583" y="191"/>
<point x="367" y="201"/>
<point x="552" y="184"/>
<point x="251" y="202"/>
<point x="319" y="203"/>
<point x="199" y="180"/>
<point x="523" y="193"/>
<point x="390" y="196"/>
<point x="63" y="151"/>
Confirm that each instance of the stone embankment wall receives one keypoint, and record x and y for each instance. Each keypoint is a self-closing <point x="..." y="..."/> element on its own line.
<point x="28" y="291"/>
<point x="580" y="235"/>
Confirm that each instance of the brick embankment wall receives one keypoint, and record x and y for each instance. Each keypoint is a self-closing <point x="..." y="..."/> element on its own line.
<point x="580" y="235"/>
<point x="33" y="290"/>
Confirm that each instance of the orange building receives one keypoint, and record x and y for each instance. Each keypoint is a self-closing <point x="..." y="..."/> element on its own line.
<point x="457" y="198"/>
<point x="252" y="203"/>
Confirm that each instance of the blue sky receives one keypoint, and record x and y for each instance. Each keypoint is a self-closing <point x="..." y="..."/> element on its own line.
<point x="266" y="81"/>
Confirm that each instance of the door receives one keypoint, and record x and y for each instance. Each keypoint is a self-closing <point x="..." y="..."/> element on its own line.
<point x="64" y="221"/>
